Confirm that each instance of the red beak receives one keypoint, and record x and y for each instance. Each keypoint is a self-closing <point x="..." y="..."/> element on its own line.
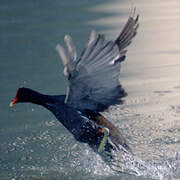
<point x="14" y="101"/>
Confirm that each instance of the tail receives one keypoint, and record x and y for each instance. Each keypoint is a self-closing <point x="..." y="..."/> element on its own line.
<point x="116" y="137"/>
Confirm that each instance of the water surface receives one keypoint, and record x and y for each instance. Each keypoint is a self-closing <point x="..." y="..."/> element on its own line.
<point x="33" y="144"/>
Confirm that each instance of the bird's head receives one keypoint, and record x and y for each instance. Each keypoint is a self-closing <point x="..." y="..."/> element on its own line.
<point x="22" y="95"/>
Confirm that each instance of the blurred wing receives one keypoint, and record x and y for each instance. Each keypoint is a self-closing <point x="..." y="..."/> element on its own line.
<point x="93" y="79"/>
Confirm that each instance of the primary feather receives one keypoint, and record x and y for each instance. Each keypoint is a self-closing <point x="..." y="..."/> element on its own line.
<point x="93" y="79"/>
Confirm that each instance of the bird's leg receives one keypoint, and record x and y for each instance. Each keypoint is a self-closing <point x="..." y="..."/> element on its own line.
<point x="104" y="139"/>
<point x="116" y="137"/>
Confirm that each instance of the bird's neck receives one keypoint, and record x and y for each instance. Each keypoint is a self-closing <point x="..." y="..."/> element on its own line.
<point x="35" y="97"/>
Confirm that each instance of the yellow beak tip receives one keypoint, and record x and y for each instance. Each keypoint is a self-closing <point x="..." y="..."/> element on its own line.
<point x="11" y="104"/>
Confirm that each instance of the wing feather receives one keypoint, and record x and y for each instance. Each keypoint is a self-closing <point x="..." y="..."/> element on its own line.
<point x="71" y="48"/>
<point x="93" y="79"/>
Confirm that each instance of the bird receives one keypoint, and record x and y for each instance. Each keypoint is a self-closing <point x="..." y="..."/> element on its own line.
<point x="93" y="85"/>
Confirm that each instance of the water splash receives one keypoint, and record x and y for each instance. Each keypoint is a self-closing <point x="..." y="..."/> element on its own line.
<point x="166" y="169"/>
<point x="72" y="159"/>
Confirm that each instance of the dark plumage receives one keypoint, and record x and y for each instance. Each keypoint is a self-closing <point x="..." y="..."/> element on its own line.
<point x="93" y="85"/>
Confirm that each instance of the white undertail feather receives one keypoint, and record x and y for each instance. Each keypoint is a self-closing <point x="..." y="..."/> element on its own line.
<point x="71" y="48"/>
<point x="92" y="37"/>
<point x="62" y="54"/>
<point x="63" y="57"/>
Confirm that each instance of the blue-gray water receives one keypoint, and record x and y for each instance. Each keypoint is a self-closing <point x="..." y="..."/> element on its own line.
<point x="33" y="145"/>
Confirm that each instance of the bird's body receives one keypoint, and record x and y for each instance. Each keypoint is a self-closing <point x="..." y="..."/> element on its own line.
<point x="93" y="85"/>
<point x="84" y="125"/>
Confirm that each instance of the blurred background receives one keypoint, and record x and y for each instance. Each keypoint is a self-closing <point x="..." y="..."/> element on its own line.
<point x="33" y="145"/>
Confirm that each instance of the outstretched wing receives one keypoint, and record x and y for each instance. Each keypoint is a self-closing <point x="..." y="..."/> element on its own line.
<point x="93" y="79"/>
